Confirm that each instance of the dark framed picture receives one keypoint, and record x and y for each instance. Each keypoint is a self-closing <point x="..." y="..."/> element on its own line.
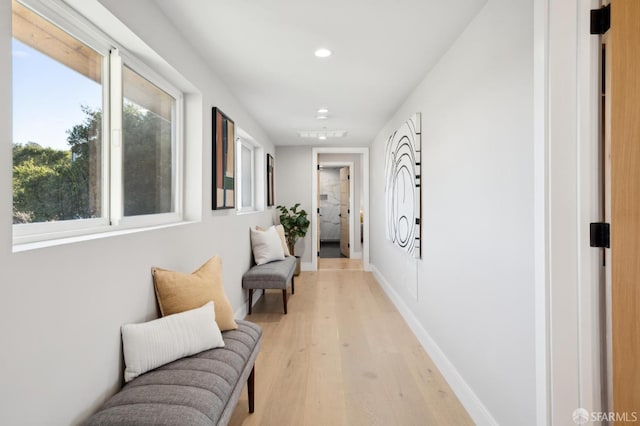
<point x="224" y="161"/>
<point x="270" y="182"/>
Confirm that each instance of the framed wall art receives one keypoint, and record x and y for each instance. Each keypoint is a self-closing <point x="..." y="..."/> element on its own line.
<point x="270" y="181"/>
<point x="224" y="163"/>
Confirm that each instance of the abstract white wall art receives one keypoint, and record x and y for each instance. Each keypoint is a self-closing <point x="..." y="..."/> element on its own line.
<point x="403" y="201"/>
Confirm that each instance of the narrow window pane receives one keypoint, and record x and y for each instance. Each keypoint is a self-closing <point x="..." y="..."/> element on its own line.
<point x="57" y="122"/>
<point x="247" y="176"/>
<point x="147" y="132"/>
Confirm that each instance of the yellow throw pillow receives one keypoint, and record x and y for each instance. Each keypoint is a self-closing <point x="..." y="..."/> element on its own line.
<point x="178" y="292"/>
<point x="280" y="231"/>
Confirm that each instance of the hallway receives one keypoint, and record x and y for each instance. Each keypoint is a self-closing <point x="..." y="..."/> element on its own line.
<point x="343" y="355"/>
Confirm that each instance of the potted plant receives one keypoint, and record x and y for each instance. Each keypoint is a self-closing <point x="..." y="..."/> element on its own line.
<point x="295" y="224"/>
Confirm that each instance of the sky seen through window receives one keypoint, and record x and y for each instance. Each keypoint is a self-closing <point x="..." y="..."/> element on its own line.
<point x="47" y="98"/>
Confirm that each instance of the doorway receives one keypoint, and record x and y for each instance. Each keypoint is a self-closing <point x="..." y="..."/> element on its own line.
<point x="336" y="204"/>
<point x="356" y="215"/>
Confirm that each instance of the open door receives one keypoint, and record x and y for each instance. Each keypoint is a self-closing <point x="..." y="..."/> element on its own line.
<point x="345" y="247"/>
<point x="319" y="214"/>
<point x="622" y="195"/>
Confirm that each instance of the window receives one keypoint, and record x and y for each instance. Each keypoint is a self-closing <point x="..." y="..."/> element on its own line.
<point x="147" y="142"/>
<point x="246" y="175"/>
<point x="96" y="138"/>
<point x="57" y="130"/>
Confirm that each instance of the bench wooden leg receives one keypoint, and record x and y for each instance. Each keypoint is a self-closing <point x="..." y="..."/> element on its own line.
<point x="250" y="300"/>
<point x="284" y="300"/>
<point x="293" y="285"/>
<point x="250" y="387"/>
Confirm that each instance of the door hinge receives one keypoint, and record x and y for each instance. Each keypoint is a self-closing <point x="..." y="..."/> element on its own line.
<point x="318" y="167"/>
<point x="348" y="245"/>
<point x="601" y="20"/>
<point x="318" y="210"/>
<point x="348" y="177"/>
<point x="348" y="211"/>
<point x="600" y="234"/>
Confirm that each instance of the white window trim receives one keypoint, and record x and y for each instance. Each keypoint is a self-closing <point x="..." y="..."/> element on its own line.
<point x="242" y="142"/>
<point x="111" y="221"/>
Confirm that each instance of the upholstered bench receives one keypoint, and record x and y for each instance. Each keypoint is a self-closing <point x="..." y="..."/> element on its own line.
<point x="202" y="389"/>
<point x="272" y="275"/>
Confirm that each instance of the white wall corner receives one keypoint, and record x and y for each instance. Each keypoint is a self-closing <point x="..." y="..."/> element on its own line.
<point x="474" y="406"/>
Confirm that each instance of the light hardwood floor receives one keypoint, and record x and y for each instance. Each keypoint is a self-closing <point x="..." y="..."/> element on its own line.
<point x="343" y="355"/>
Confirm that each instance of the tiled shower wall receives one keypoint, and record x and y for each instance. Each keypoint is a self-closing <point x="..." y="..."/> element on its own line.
<point x="330" y="204"/>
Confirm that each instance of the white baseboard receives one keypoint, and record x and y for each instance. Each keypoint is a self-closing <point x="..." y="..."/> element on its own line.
<point x="307" y="267"/>
<point x="474" y="406"/>
<point x="241" y="312"/>
<point x="355" y="255"/>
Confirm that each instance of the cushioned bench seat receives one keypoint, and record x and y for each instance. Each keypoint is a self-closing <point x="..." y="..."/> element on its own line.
<point x="202" y="389"/>
<point x="272" y="275"/>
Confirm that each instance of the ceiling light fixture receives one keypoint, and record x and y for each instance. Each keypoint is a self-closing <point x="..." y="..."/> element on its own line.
<point x="327" y="134"/>
<point x="321" y="117"/>
<point x="323" y="53"/>
<point x="323" y="110"/>
<point x="322" y="137"/>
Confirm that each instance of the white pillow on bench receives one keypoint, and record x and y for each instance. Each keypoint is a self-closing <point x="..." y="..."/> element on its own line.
<point x="266" y="245"/>
<point x="152" y="344"/>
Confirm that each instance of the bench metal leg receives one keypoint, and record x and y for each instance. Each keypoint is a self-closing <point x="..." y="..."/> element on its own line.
<point x="250" y="387"/>
<point x="293" y="286"/>
<point x="250" y="300"/>
<point x="284" y="300"/>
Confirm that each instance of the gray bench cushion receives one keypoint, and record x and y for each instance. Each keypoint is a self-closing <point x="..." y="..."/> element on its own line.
<point x="196" y="390"/>
<point x="270" y="275"/>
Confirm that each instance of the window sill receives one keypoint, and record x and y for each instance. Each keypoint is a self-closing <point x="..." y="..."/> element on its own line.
<point x="22" y="247"/>
<point x="243" y="212"/>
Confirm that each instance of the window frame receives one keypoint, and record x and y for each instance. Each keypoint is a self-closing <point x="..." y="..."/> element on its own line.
<point x="68" y="20"/>
<point x="240" y="143"/>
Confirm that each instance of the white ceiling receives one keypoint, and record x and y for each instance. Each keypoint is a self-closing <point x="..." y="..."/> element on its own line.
<point x="263" y="51"/>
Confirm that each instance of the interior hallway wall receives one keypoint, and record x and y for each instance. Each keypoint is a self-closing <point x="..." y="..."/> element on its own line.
<point x="293" y="186"/>
<point x="474" y="308"/>
<point x="62" y="307"/>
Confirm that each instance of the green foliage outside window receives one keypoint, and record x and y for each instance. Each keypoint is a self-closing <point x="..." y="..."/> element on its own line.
<point x="53" y="185"/>
<point x="50" y="184"/>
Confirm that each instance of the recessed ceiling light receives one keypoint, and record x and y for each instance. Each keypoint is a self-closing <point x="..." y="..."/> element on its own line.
<point x="321" y="117"/>
<point x="323" y="53"/>
<point x="322" y="137"/>
<point x="323" y="111"/>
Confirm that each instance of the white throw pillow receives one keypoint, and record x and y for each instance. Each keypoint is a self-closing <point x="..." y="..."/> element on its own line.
<point x="266" y="246"/>
<point x="152" y="344"/>
<point x="282" y="235"/>
<point x="283" y="238"/>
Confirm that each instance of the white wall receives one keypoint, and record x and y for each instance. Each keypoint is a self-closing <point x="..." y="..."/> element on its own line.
<point x="474" y="308"/>
<point x="293" y="185"/>
<point x="62" y="307"/>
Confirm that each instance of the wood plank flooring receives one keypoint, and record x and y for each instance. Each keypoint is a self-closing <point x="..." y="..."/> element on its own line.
<point x="343" y="355"/>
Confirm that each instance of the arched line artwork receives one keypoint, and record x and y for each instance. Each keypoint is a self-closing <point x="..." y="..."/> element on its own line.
<point x="403" y="201"/>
